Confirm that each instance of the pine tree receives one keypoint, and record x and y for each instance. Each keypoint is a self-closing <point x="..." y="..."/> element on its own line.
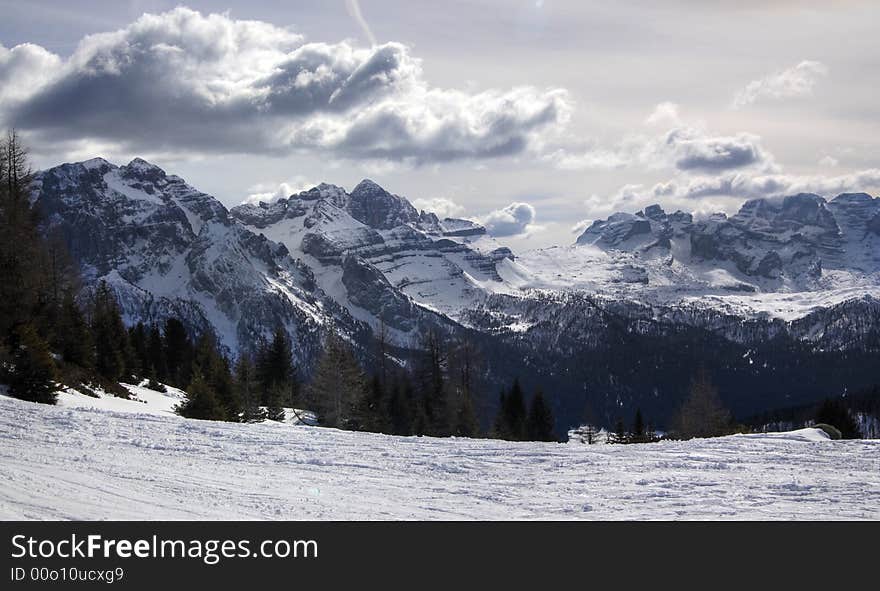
<point x="589" y="421"/>
<point x="73" y="339"/>
<point x="432" y="381"/>
<point x="20" y="244"/>
<point x="248" y="391"/>
<point x="638" y="430"/>
<point x="201" y="401"/>
<point x="465" y="364"/>
<point x="500" y="428"/>
<point x="156" y="367"/>
<point x="178" y="352"/>
<point x="540" y="419"/>
<point x="109" y="335"/>
<point x="33" y="372"/>
<point x="137" y="339"/>
<point x="515" y="412"/>
<point x="702" y="414"/>
<point x="275" y="371"/>
<point x="371" y="412"/>
<point x="400" y="408"/>
<point x="619" y="435"/>
<point x="215" y="370"/>
<point x="336" y="384"/>
<point x="836" y="414"/>
<point x="466" y="423"/>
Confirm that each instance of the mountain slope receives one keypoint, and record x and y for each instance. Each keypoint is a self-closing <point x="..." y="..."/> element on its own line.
<point x="167" y="249"/>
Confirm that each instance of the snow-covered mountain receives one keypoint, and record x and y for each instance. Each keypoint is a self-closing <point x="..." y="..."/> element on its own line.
<point x="167" y="249"/>
<point x="782" y="257"/>
<point x="801" y="273"/>
<point x="378" y="256"/>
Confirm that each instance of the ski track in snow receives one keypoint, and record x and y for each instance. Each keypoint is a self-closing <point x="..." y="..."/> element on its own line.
<point x="91" y="463"/>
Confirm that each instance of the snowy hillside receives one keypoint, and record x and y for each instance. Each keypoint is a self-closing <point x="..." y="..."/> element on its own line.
<point x="63" y="463"/>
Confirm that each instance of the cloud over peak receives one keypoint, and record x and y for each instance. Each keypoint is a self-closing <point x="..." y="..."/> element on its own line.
<point x="213" y="84"/>
<point x="515" y="219"/>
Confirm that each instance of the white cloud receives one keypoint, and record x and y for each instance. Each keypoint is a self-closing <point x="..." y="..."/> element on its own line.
<point x="517" y="218"/>
<point x="182" y="80"/>
<point x="756" y="185"/>
<point x="443" y="207"/>
<point x="682" y="146"/>
<point x="271" y="192"/>
<point x="23" y="69"/>
<point x="829" y="161"/>
<point x="798" y="80"/>
<point x="665" y="114"/>
<point x="580" y="226"/>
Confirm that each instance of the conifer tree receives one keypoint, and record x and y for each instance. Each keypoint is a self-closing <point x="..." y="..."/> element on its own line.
<point x="157" y="368"/>
<point x="137" y="339"/>
<point x="215" y="371"/>
<point x="834" y="413"/>
<point x="638" y="429"/>
<point x="432" y="381"/>
<point x="500" y="428"/>
<point x="515" y="412"/>
<point x="466" y="423"/>
<point x="540" y="419"/>
<point x="400" y="407"/>
<point x="275" y="370"/>
<point x="336" y="384"/>
<point x="201" y="401"/>
<point x="248" y="390"/>
<point x="619" y="435"/>
<point x="33" y="372"/>
<point x="178" y="352"/>
<point x="20" y="244"/>
<point x="702" y="414"/>
<point x="371" y="411"/>
<point x="465" y="364"/>
<point x="109" y="334"/>
<point x="73" y="339"/>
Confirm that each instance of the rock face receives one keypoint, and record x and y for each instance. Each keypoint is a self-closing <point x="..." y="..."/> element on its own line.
<point x="410" y="254"/>
<point x="789" y="239"/>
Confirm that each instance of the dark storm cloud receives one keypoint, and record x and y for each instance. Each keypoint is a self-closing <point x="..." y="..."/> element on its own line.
<point x="715" y="154"/>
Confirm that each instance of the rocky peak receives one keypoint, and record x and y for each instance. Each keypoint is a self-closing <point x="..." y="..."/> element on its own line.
<point x="141" y="169"/>
<point x="852" y="198"/>
<point x="97" y="164"/>
<point x="372" y="205"/>
<point x="654" y="212"/>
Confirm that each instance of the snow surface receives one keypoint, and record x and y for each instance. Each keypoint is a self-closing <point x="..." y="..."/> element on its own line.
<point x="142" y="400"/>
<point x="91" y="463"/>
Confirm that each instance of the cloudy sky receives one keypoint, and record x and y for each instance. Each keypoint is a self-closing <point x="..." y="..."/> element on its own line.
<point x="533" y="117"/>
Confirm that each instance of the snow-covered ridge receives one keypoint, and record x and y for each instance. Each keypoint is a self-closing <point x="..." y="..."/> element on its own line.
<point x="357" y="259"/>
<point x="375" y="252"/>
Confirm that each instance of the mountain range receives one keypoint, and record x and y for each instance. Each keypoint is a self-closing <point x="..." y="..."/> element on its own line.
<point x="780" y="302"/>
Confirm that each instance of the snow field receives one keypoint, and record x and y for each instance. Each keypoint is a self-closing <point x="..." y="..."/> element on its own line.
<point x="98" y="463"/>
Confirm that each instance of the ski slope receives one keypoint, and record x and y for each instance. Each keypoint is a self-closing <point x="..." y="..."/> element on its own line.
<point x="94" y="463"/>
